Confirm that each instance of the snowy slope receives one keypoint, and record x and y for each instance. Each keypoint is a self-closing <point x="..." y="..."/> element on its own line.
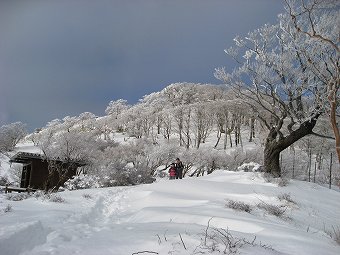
<point x="154" y="218"/>
<point x="12" y="172"/>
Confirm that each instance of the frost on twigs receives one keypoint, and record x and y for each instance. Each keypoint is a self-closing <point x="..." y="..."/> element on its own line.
<point x="334" y="234"/>
<point x="276" y="210"/>
<point x="210" y="241"/>
<point x="57" y="199"/>
<point x="286" y="198"/>
<point x="17" y="196"/>
<point x="83" y="182"/>
<point x="87" y="196"/>
<point x="7" y="209"/>
<point x="239" y="206"/>
<point x="219" y="240"/>
<point x="52" y="197"/>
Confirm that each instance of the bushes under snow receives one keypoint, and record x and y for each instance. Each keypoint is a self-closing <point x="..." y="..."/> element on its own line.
<point x="250" y="167"/>
<point x="334" y="234"/>
<point x="286" y="197"/>
<point x="8" y="208"/>
<point x="83" y="182"/>
<point x="239" y="206"/>
<point x="276" y="210"/>
<point x="17" y="196"/>
<point x="125" y="176"/>
<point x="114" y="175"/>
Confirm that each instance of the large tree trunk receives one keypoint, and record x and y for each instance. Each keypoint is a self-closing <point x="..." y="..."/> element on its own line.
<point x="272" y="160"/>
<point x="275" y="144"/>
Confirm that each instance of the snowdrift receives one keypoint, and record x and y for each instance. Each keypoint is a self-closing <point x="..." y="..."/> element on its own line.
<point x="175" y="217"/>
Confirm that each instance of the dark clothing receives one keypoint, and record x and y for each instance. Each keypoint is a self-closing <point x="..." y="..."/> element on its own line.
<point x="179" y="170"/>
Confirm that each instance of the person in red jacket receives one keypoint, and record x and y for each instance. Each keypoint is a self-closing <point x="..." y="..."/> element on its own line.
<point x="172" y="172"/>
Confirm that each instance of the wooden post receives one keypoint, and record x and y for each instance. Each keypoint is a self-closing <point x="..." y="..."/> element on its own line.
<point x="314" y="171"/>
<point x="310" y="165"/>
<point x="330" y="172"/>
<point x="293" y="166"/>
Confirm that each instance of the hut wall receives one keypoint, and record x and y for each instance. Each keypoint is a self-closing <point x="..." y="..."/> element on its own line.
<point x="39" y="174"/>
<point x="35" y="174"/>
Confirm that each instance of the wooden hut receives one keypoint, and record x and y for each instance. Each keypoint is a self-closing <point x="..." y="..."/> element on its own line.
<point x="35" y="171"/>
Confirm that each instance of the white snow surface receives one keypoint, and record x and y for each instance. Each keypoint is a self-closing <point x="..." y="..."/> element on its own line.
<point x="27" y="146"/>
<point x="154" y="217"/>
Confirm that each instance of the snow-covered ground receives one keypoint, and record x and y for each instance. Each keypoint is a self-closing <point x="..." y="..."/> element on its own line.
<point x="171" y="217"/>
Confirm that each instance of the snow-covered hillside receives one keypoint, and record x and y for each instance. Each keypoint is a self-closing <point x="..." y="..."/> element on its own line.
<point x="11" y="173"/>
<point x="172" y="217"/>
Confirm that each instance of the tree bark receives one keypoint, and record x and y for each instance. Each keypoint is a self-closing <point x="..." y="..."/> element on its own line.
<point x="219" y="135"/>
<point x="332" y="116"/>
<point x="276" y="144"/>
<point x="272" y="161"/>
<point x="252" y="129"/>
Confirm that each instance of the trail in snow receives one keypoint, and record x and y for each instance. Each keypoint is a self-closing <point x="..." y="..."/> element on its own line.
<point x="108" y="209"/>
<point x="76" y="232"/>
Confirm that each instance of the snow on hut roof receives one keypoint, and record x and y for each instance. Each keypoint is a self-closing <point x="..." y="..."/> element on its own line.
<point x="26" y="157"/>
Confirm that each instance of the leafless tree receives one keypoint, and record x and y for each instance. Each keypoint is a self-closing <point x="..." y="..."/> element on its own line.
<point x="319" y="22"/>
<point x="11" y="134"/>
<point x="284" y="91"/>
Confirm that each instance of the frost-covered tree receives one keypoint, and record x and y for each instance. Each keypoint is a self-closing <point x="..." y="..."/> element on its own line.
<point x="202" y="119"/>
<point x="135" y="162"/>
<point x="318" y="22"/>
<point x="228" y="117"/>
<point x="65" y="144"/>
<point x="117" y="107"/>
<point x="11" y="134"/>
<point x="104" y="128"/>
<point x="190" y="120"/>
<point x="277" y="82"/>
<point x="87" y="121"/>
<point x="139" y="120"/>
<point x="114" y="111"/>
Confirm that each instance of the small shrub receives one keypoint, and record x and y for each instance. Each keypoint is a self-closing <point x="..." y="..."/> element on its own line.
<point x="286" y="197"/>
<point x="221" y="241"/>
<point x="52" y="197"/>
<point x="282" y="182"/>
<point x="17" y="196"/>
<point x="38" y="194"/>
<point x="4" y="180"/>
<point x="238" y="205"/>
<point x="8" y="208"/>
<point x="56" y="199"/>
<point x="87" y="196"/>
<point x="250" y="167"/>
<point x="83" y="182"/>
<point x="212" y="241"/>
<point x="334" y="234"/>
<point x="276" y="210"/>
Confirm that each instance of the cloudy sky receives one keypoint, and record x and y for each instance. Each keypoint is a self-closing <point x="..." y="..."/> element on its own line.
<point x="65" y="57"/>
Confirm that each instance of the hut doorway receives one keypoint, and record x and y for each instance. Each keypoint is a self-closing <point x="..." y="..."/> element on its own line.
<point x="25" y="176"/>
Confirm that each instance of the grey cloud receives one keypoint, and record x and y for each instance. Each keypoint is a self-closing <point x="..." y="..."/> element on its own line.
<point x="65" y="57"/>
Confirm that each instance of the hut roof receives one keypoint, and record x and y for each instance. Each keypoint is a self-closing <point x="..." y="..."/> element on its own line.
<point x="26" y="157"/>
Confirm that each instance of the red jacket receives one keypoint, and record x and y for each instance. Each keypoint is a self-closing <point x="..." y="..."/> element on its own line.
<point x="172" y="171"/>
